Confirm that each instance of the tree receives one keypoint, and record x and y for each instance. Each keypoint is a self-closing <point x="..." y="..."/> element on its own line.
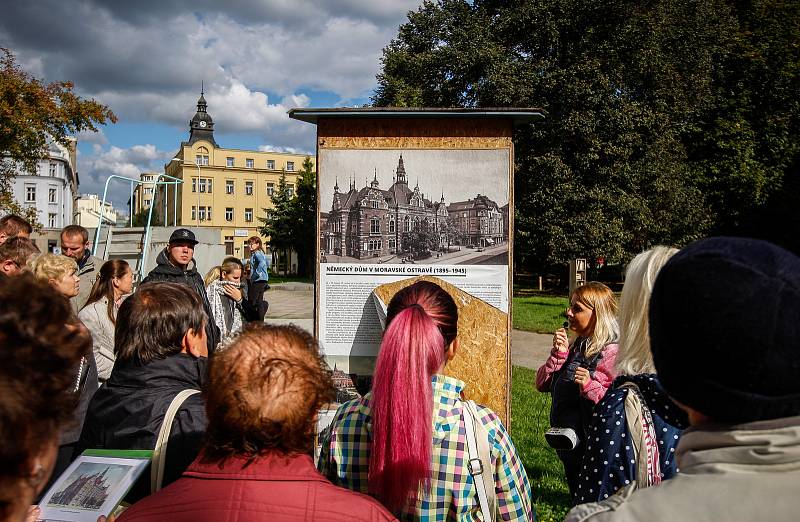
<point x="278" y="221"/>
<point x="31" y="113"/>
<point x="304" y="207"/>
<point x="666" y="121"/>
<point x="140" y="218"/>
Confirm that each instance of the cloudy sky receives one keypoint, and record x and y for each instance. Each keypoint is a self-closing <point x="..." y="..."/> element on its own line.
<point x="146" y="60"/>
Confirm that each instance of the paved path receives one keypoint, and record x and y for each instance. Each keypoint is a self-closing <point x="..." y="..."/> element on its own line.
<point x="294" y="303"/>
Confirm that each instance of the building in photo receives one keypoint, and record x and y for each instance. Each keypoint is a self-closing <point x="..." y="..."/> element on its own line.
<point x="373" y="222"/>
<point x="225" y="189"/>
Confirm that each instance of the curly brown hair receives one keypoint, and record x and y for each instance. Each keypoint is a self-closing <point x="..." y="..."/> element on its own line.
<point x="264" y="393"/>
<point x="39" y="360"/>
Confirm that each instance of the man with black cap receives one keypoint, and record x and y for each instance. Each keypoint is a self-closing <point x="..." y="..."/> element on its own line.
<point x="725" y="336"/>
<point x="173" y="266"/>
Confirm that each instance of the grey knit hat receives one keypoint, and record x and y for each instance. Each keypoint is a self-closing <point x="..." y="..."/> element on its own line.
<point x="725" y="329"/>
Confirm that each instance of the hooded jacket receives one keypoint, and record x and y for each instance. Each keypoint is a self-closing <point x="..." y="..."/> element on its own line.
<point x="128" y="410"/>
<point x="166" y="272"/>
<point x="734" y="473"/>
<point x="88" y="270"/>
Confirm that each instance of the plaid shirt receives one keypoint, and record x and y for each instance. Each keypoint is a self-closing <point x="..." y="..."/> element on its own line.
<point x="452" y="496"/>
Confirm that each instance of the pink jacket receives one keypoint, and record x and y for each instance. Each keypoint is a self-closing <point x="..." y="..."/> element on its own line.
<point x="596" y="388"/>
<point x="272" y="487"/>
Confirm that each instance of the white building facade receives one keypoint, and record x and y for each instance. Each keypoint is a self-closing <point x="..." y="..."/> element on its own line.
<point x="52" y="190"/>
<point x="88" y="212"/>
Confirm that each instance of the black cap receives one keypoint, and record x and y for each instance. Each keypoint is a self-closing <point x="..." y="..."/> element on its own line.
<point x="724" y="329"/>
<point x="183" y="234"/>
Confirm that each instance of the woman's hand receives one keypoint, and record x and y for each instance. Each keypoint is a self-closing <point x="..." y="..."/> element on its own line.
<point x="582" y="376"/>
<point x="232" y="292"/>
<point x="560" y="341"/>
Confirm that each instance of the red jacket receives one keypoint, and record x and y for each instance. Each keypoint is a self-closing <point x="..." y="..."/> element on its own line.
<point x="271" y="488"/>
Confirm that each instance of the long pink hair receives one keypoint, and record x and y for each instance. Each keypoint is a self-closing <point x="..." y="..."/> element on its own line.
<point x="422" y="321"/>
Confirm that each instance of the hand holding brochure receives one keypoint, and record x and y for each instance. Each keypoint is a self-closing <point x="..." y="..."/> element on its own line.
<point x="93" y="485"/>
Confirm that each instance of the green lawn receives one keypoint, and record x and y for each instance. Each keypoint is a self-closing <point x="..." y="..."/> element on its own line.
<point x="529" y="420"/>
<point x="539" y="313"/>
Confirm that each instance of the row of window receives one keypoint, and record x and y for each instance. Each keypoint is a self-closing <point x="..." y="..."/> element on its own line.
<point x="202" y="159"/>
<point x="204" y="213"/>
<point x="205" y="185"/>
<point x="30" y="194"/>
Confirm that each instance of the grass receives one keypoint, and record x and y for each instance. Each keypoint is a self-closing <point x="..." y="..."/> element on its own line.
<point x="530" y="419"/>
<point x="539" y="313"/>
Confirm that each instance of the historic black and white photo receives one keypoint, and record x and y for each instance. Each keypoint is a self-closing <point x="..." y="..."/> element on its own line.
<point x="414" y="206"/>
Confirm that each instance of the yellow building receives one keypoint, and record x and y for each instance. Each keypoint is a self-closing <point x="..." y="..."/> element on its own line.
<point x="225" y="188"/>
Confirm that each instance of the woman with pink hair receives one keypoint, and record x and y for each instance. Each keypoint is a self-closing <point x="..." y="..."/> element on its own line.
<point x="405" y="442"/>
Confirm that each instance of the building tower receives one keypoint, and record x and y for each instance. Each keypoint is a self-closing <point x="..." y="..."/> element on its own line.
<point x="401" y="171"/>
<point x="201" y="127"/>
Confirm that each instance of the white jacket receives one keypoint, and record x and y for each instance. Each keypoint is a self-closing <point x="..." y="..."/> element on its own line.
<point x="95" y="317"/>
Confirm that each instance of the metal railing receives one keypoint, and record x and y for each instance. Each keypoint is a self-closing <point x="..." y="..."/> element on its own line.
<point x="148" y="233"/>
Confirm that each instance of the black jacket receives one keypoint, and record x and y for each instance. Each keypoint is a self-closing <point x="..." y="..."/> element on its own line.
<point x="126" y="412"/>
<point x="168" y="273"/>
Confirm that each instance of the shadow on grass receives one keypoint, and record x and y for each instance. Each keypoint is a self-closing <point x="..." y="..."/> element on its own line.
<point x="530" y="412"/>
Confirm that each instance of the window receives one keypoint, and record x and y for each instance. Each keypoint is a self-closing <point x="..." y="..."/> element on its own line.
<point x="51" y="220"/>
<point x="147" y="203"/>
<point x="270" y="189"/>
<point x="30" y="194"/>
<point x="290" y="165"/>
<point x="202" y="184"/>
<point x="271" y="164"/>
<point x="208" y="215"/>
<point x="148" y="190"/>
<point x="208" y="181"/>
<point x="201" y="159"/>
<point x="229" y="214"/>
<point x="248" y="163"/>
<point x="374" y="203"/>
<point x="290" y="189"/>
<point x="194" y="184"/>
<point x="248" y="188"/>
<point x="248" y="214"/>
<point x="202" y="213"/>
<point x="374" y="226"/>
<point x="194" y="212"/>
<point x="53" y="167"/>
<point x="228" y="245"/>
<point x="51" y="195"/>
<point x="407" y="224"/>
<point x="391" y="227"/>
<point x="228" y="186"/>
<point x="229" y="162"/>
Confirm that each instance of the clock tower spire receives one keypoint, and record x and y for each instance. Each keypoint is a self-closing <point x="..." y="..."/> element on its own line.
<point x="201" y="127"/>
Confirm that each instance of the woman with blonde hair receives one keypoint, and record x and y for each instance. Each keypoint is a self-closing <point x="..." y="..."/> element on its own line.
<point x="578" y="374"/>
<point x="60" y="273"/>
<point x="229" y="305"/>
<point x="636" y="419"/>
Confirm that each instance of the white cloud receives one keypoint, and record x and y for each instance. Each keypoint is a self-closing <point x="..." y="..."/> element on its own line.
<point x="102" y="162"/>
<point x="278" y="148"/>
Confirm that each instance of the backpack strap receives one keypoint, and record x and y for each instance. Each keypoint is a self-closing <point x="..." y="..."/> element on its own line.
<point x="160" y="449"/>
<point x="479" y="460"/>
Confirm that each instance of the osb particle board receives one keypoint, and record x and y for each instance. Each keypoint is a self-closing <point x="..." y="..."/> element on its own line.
<point x="482" y="360"/>
<point x="408" y="134"/>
